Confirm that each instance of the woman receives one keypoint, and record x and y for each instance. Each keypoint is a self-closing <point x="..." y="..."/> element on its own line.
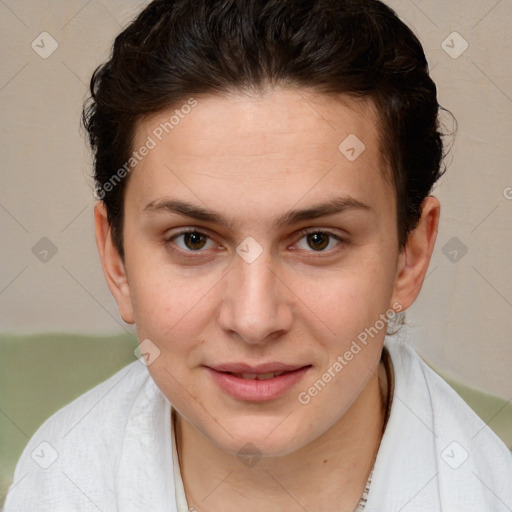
<point x="263" y="173"/>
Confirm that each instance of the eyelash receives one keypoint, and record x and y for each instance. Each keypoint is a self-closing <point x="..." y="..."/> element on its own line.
<point x="302" y="233"/>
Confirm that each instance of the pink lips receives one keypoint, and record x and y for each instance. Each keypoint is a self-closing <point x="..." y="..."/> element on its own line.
<point x="260" y="368"/>
<point x="255" y="390"/>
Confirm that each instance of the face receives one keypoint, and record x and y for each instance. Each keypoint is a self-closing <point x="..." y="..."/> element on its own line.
<point x="252" y="239"/>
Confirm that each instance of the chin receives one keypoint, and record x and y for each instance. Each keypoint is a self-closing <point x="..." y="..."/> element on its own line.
<point x="267" y="442"/>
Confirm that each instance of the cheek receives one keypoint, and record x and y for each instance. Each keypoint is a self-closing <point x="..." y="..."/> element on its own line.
<point x="171" y="318"/>
<point x="352" y="300"/>
<point x="162" y="304"/>
<point x="173" y="311"/>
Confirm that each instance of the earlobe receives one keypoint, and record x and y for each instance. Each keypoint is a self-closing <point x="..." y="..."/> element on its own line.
<point x="414" y="259"/>
<point x="112" y="263"/>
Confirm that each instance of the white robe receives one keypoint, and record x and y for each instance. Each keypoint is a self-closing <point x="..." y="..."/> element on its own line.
<point x="111" y="449"/>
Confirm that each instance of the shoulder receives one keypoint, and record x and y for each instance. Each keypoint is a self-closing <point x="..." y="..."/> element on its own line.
<point x="97" y="412"/>
<point x="83" y="439"/>
<point x="470" y="462"/>
<point x="442" y="397"/>
<point x="448" y="409"/>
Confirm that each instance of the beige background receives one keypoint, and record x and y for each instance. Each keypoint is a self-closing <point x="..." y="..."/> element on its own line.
<point x="463" y="318"/>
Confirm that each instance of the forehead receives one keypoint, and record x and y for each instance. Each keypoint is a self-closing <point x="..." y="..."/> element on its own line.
<point x="266" y="122"/>
<point x="283" y="144"/>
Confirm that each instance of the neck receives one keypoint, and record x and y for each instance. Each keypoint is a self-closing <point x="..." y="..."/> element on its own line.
<point x="341" y="459"/>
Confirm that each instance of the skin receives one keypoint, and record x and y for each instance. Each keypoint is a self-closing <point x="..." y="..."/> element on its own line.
<point x="253" y="158"/>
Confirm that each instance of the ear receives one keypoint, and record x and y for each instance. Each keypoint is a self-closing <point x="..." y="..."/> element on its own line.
<point x="113" y="266"/>
<point x="414" y="259"/>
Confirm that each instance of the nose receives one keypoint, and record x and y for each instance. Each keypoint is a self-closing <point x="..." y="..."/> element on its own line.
<point x="256" y="302"/>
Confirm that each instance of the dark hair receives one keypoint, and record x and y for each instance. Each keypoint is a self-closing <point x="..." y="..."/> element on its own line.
<point x="178" y="48"/>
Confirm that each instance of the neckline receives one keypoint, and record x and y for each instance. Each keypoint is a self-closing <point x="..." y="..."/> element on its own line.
<point x="390" y="384"/>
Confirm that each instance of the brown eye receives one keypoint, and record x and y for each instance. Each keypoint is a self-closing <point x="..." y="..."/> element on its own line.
<point x="192" y="240"/>
<point x="318" y="240"/>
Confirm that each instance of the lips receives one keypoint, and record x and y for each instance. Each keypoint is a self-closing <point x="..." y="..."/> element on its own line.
<point x="257" y="376"/>
<point x="240" y="368"/>
<point x="257" y="383"/>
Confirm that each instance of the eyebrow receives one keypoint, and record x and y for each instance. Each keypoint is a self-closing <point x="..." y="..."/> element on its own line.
<point x="331" y="207"/>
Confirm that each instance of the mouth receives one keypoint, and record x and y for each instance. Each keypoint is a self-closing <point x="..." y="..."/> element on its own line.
<point x="256" y="376"/>
<point x="257" y="386"/>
